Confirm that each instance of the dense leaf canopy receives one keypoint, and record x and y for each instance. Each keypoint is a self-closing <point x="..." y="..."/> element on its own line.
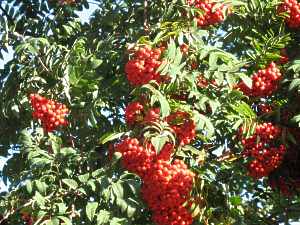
<point x="223" y="91"/>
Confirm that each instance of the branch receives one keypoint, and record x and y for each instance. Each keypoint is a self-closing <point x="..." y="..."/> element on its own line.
<point x="227" y="156"/>
<point x="22" y="37"/>
<point x="146" y="25"/>
<point x="15" y="210"/>
<point x="6" y="14"/>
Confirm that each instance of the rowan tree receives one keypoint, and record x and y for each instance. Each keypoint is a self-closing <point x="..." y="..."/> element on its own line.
<point x="171" y="112"/>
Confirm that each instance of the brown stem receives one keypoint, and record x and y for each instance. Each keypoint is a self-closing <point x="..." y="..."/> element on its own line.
<point x="5" y="217"/>
<point x="227" y="156"/>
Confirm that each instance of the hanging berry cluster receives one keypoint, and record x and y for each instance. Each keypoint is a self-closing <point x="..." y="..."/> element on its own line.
<point x="292" y="7"/>
<point x="284" y="58"/>
<point x="136" y="113"/>
<point x="263" y="149"/>
<point x="284" y="185"/>
<point x="28" y="220"/>
<point x="286" y="178"/>
<point x="183" y="126"/>
<point x="211" y="15"/>
<point x="50" y="113"/>
<point x="166" y="184"/>
<point x="263" y="108"/>
<point x="165" y="189"/>
<point x="264" y="82"/>
<point x="142" y="68"/>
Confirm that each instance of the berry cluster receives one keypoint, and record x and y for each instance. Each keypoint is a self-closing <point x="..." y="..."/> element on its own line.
<point x="166" y="186"/>
<point x="66" y="2"/>
<point x="286" y="178"/>
<point x="142" y="68"/>
<point x="292" y="7"/>
<point x="184" y="48"/>
<point x="51" y="113"/>
<point x="264" y="108"/>
<point x="27" y="218"/>
<point x="211" y="15"/>
<point x="135" y="113"/>
<point x="264" y="82"/>
<point x="202" y="82"/>
<point x="183" y="126"/>
<point x="284" y="185"/>
<point x="262" y="147"/>
<point x="135" y="157"/>
<point x="284" y="58"/>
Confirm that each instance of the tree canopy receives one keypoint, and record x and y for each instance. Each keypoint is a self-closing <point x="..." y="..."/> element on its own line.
<point x="165" y="112"/>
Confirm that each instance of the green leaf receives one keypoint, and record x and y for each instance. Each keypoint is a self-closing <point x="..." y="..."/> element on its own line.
<point x="158" y="142"/>
<point x="96" y="63"/>
<point x="110" y="136"/>
<point x="25" y="139"/>
<point x="118" y="190"/>
<point x="66" y="220"/>
<point x="84" y="178"/>
<point x="29" y="186"/>
<point x="171" y="52"/>
<point x="247" y="80"/>
<point x="90" y="210"/>
<point x="67" y="151"/>
<point x="294" y="84"/>
<point x="165" y="107"/>
<point x="40" y="200"/>
<point x="62" y="208"/>
<point x="71" y="183"/>
<point x="41" y="186"/>
<point x="235" y="200"/>
<point x="56" y="143"/>
<point x="103" y="217"/>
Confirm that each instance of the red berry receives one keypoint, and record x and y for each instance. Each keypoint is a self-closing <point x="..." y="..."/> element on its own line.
<point x="262" y="147"/>
<point x="48" y="112"/>
<point x="265" y="82"/>
<point x="142" y="68"/>
<point x="292" y="7"/>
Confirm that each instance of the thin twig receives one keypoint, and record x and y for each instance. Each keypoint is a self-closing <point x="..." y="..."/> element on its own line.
<point x="146" y="25"/>
<point x="15" y="210"/>
<point x="38" y="58"/>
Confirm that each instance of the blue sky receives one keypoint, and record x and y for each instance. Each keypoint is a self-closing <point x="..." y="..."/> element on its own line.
<point x="84" y="16"/>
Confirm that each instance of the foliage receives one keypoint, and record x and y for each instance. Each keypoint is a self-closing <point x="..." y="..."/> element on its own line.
<point x="72" y="176"/>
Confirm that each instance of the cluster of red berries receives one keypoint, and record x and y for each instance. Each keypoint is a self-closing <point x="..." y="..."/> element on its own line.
<point x="66" y="2"/>
<point x="135" y="113"/>
<point x="211" y="15"/>
<point x="292" y="7"/>
<point x="165" y="189"/>
<point x="27" y="218"/>
<point x="285" y="185"/>
<point x="284" y="58"/>
<point x="50" y="113"/>
<point x="264" y="108"/>
<point x="202" y="82"/>
<point x="183" y="126"/>
<point x="142" y="68"/>
<point x="262" y="147"/>
<point x="135" y="157"/>
<point x="166" y="186"/>
<point x="184" y="48"/>
<point x="264" y="82"/>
